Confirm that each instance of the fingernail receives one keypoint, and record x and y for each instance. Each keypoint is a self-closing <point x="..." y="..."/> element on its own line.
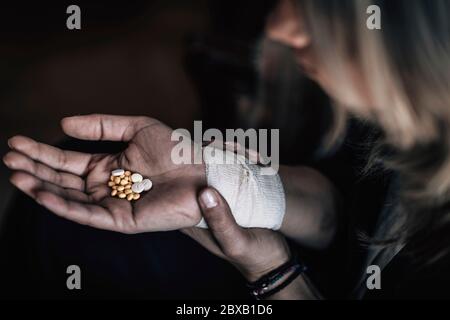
<point x="208" y="198"/>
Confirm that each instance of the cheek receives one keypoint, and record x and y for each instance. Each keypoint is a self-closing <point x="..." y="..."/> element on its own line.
<point x="350" y="89"/>
<point x="306" y="59"/>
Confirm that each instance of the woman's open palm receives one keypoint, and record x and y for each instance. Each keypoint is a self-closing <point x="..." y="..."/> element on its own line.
<point x="74" y="185"/>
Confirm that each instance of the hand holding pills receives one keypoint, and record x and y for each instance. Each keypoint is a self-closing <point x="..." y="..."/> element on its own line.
<point x="137" y="190"/>
<point x="124" y="184"/>
<point x="114" y="192"/>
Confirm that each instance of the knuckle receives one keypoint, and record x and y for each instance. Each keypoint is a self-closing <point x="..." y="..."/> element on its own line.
<point x="62" y="161"/>
<point x="36" y="149"/>
<point x="36" y="169"/>
<point x="59" y="179"/>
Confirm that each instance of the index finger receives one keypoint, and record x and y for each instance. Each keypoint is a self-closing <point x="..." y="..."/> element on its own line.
<point x="64" y="160"/>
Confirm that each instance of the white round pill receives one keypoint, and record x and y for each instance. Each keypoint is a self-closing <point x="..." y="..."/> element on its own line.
<point x="117" y="172"/>
<point x="136" y="177"/>
<point x="147" y="184"/>
<point x="137" y="187"/>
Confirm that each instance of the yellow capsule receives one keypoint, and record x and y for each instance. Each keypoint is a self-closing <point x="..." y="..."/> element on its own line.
<point x="128" y="186"/>
<point x="117" y="180"/>
<point x="136" y="196"/>
<point x="111" y="184"/>
<point x="128" y="191"/>
<point x="122" y="195"/>
<point x="120" y="188"/>
<point x="123" y="182"/>
<point x="114" y="187"/>
<point x="130" y="197"/>
<point x="112" y="178"/>
<point x="113" y="193"/>
<point x="127" y="173"/>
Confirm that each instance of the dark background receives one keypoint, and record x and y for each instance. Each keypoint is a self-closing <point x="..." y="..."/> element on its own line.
<point x="177" y="61"/>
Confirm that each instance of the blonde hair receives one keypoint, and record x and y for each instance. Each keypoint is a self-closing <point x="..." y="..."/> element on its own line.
<point x="407" y="67"/>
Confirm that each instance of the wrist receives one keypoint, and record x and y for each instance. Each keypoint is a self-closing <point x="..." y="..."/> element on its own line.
<point x="311" y="201"/>
<point x="276" y="280"/>
<point x="257" y="272"/>
<point x="299" y="289"/>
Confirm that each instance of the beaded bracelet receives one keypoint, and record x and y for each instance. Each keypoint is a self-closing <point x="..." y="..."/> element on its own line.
<point x="260" y="288"/>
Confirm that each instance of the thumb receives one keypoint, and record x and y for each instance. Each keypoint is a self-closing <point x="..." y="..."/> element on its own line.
<point x="104" y="127"/>
<point x="230" y="236"/>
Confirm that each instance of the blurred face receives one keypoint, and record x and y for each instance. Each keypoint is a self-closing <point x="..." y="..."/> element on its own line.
<point x="287" y="26"/>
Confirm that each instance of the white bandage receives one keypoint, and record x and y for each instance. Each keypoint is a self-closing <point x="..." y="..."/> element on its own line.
<point x="256" y="200"/>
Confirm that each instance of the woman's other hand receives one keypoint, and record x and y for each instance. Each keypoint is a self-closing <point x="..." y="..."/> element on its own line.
<point x="253" y="251"/>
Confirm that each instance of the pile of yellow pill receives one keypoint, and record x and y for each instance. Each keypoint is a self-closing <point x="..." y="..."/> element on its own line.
<point x="128" y="185"/>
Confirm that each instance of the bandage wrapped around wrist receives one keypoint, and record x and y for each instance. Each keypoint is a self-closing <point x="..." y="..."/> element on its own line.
<point x="256" y="200"/>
